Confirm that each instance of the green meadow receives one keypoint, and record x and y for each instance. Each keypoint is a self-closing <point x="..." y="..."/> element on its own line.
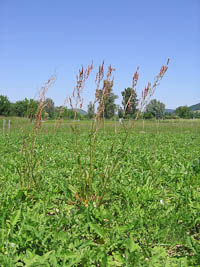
<point x="128" y="200"/>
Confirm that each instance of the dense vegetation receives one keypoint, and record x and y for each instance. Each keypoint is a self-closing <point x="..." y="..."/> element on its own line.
<point x="149" y="215"/>
<point x="97" y="192"/>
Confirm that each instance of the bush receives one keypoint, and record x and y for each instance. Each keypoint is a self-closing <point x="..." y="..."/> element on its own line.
<point x="147" y="115"/>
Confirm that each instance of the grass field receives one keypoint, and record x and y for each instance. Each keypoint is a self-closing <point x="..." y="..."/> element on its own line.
<point x="137" y="203"/>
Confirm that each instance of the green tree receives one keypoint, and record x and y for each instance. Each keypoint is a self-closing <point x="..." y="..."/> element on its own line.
<point x="12" y="109"/>
<point x="183" y="112"/>
<point x="32" y="106"/>
<point x="21" y="108"/>
<point x="120" y="112"/>
<point x="110" y="106"/>
<point x="26" y="107"/>
<point x="109" y="101"/>
<point x="91" y="111"/>
<point x="196" y="114"/>
<point x="156" y="108"/>
<point x="70" y="114"/>
<point x="49" y="108"/>
<point x="132" y="106"/>
<point x="4" y="105"/>
<point x="147" y="115"/>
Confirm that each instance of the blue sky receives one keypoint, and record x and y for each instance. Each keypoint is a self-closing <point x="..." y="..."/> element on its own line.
<point x="39" y="37"/>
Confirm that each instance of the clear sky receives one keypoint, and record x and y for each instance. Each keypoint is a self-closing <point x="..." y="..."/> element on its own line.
<point x="39" y="37"/>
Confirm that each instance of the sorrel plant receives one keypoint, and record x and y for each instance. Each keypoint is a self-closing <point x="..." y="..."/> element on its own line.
<point x="30" y="168"/>
<point x="86" y="192"/>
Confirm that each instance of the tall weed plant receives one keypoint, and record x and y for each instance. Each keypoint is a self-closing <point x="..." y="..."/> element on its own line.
<point x="92" y="181"/>
<point x="30" y="166"/>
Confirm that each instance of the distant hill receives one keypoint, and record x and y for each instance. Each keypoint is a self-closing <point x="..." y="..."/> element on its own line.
<point x="81" y="111"/>
<point x="169" y="110"/>
<point x="192" y="108"/>
<point x="195" y="107"/>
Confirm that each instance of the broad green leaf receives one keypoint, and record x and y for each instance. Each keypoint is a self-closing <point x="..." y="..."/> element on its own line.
<point x="132" y="246"/>
<point x="15" y="218"/>
<point x="97" y="229"/>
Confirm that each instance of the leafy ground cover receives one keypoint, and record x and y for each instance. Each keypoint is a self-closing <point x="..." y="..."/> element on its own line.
<point x="150" y="213"/>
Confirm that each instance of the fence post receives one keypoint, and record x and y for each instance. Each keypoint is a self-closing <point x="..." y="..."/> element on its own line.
<point x="8" y="125"/>
<point x="4" y="125"/>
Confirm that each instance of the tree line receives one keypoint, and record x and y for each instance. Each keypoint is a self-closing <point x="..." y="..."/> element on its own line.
<point x="155" y="109"/>
<point x="28" y="108"/>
